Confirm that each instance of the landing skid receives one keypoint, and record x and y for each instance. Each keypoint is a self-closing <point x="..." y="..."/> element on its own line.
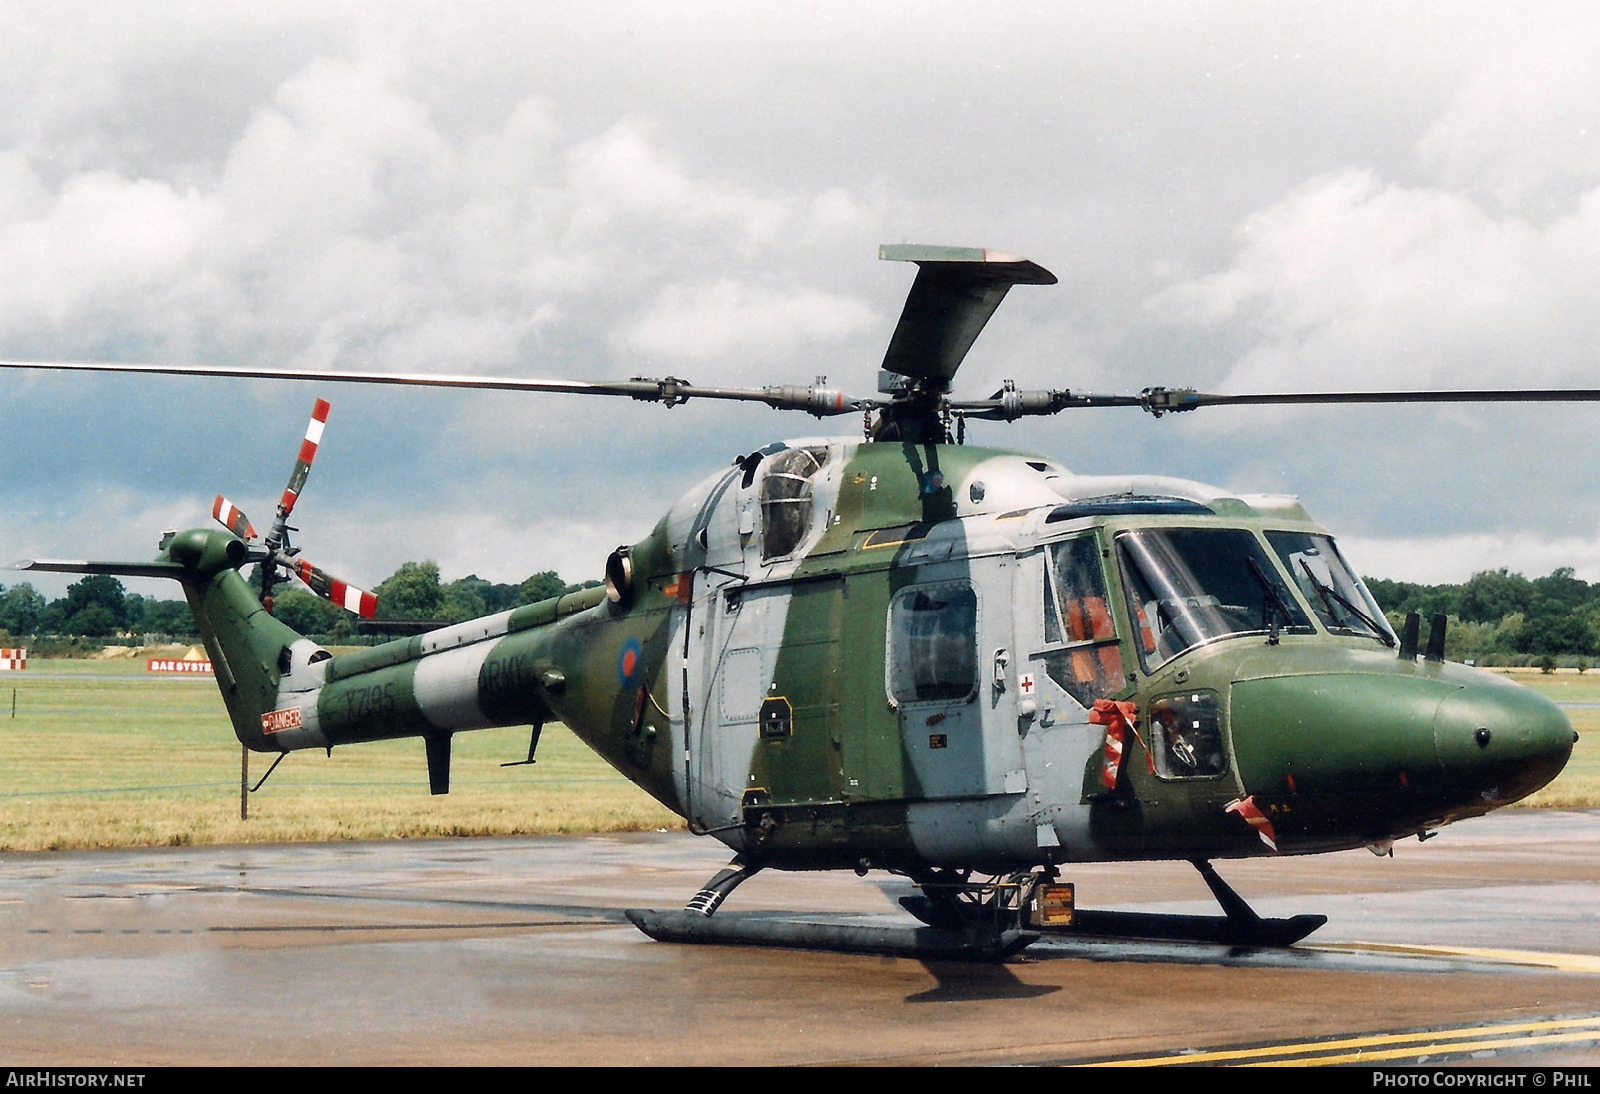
<point x="964" y="921"/>
<point x="931" y="943"/>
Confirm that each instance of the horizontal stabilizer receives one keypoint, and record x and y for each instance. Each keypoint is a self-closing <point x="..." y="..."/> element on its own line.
<point x="956" y="291"/>
<point x="157" y="568"/>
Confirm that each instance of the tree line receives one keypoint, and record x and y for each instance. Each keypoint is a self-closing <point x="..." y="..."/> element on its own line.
<point x="1501" y="618"/>
<point x="98" y="608"/>
<point x="1495" y="617"/>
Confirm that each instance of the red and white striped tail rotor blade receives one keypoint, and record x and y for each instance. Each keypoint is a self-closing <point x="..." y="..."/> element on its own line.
<point x="231" y="517"/>
<point x="308" y="453"/>
<point x="325" y="585"/>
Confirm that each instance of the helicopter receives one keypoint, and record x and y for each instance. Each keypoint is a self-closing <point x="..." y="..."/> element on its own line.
<point x="898" y="651"/>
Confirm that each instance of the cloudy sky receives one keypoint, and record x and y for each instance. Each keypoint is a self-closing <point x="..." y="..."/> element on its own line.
<point x="1235" y="196"/>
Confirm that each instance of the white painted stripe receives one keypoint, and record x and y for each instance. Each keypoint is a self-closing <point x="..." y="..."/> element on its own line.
<point x="314" y="431"/>
<point x="474" y="630"/>
<point x="352" y="599"/>
<point x="446" y="687"/>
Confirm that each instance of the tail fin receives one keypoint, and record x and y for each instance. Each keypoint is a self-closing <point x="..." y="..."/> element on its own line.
<point x="248" y="647"/>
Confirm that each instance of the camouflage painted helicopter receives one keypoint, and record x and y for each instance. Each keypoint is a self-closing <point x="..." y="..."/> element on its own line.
<point x="965" y="665"/>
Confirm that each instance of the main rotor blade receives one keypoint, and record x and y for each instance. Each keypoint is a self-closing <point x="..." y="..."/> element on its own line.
<point x="1161" y="400"/>
<point x="1010" y="404"/>
<point x="815" y="399"/>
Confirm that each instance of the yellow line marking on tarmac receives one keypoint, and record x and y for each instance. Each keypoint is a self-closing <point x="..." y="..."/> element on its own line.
<point x="1565" y="962"/>
<point x="1590" y="1028"/>
<point x="1441" y="1048"/>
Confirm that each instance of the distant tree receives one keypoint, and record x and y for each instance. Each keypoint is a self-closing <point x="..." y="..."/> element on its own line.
<point x="495" y="597"/>
<point x="411" y="592"/>
<point x="1425" y="600"/>
<point x="53" y="618"/>
<point x="1491" y="595"/>
<point x="20" y="608"/>
<point x="460" y="601"/>
<point x="306" y="613"/>
<point x="1547" y="664"/>
<point x="541" y="586"/>
<point x="96" y="591"/>
<point x="1509" y="632"/>
<point x="95" y="621"/>
<point x="1466" y="641"/>
<point x="166" y="617"/>
<point x="1561" y="591"/>
<point x="1556" y="634"/>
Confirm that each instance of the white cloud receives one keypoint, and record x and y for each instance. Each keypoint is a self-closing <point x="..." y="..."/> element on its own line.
<point x="731" y="320"/>
<point x="498" y="546"/>
<point x="1434" y="560"/>
<point x="623" y="174"/>
<point x="1526" y="128"/>
<point x="560" y="191"/>
<point x="1350" y="282"/>
<point x="103" y="245"/>
<point x="343" y="227"/>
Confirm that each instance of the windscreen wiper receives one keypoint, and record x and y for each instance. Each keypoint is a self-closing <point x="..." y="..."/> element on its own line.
<point x="1272" y="605"/>
<point x="1327" y="591"/>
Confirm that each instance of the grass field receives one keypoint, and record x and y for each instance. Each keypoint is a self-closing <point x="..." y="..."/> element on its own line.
<point x="103" y="754"/>
<point x="1578" y="786"/>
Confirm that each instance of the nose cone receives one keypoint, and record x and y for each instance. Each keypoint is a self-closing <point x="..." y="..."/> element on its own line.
<point x="1500" y="742"/>
<point x="1338" y="759"/>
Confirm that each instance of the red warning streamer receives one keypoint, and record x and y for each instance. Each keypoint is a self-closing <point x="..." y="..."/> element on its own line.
<point x="1119" y="720"/>
<point x="1246" y="808"/>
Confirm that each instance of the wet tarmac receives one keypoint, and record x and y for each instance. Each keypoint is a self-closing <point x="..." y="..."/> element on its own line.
<point x="1481" y="946"/>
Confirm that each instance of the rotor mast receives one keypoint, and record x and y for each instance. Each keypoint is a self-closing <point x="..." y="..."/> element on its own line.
<point x="956" y="291"/>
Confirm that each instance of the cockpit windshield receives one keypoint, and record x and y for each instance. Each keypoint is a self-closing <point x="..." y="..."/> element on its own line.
<point x="1190" y="586"/>
<point x="1330" y="586"/>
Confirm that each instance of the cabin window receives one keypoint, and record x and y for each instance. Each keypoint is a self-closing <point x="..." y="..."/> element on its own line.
<point x="1332" y="589"/>
<point x="1077" y="614"/>
<point x="933" y="644"/>
<point x="786" y="500"/>
<point x="1186" y="733"/>
<point x="1190" y="586"/>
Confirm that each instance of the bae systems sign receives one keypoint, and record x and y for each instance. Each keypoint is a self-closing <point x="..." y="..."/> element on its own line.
<point x="172" y="665"/>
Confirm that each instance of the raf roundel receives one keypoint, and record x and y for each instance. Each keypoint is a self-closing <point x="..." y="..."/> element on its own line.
<point x="629" y="662"/>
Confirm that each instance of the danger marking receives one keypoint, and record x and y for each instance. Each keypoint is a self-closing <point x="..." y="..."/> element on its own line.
<point x="276" y="721"/>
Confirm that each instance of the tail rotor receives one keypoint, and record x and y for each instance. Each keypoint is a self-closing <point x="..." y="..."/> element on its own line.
<point x="276" y="558"/>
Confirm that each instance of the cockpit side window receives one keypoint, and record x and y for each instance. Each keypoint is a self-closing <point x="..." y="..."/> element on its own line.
<point x="1077" y="616"/>
<point x="933" y="644"/>
<point x="1186" y="732"/>
<point x="786" y="499"/>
